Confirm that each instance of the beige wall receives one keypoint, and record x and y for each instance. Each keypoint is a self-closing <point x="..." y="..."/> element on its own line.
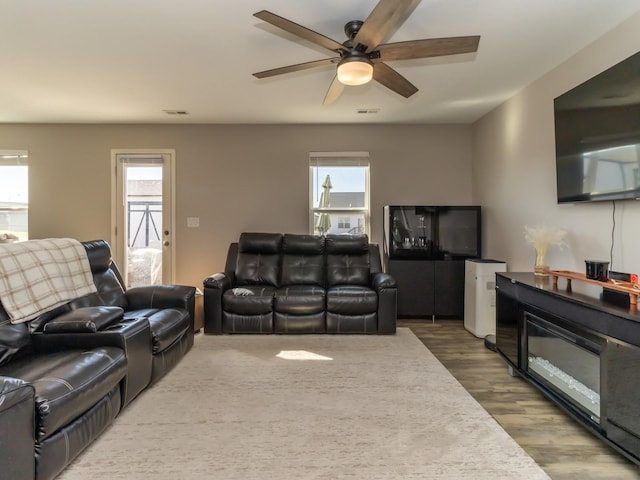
<point x="514" y="171"/>
<point x="235" y="178"/>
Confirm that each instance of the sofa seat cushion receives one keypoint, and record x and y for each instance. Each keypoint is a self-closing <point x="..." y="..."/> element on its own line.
<point x="166" y="325"/>
<point x="68" y="383"/>
<point x="299" y="300"/>
<point x="351" y="300"/>
<point x="249" y="300"/>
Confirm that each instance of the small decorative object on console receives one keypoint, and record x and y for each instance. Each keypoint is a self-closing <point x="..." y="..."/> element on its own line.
<point x="597" y="270"/>
<point x="542" y="237"/>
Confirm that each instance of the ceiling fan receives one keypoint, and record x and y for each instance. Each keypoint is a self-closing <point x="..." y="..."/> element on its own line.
<point x="361" y="57"/>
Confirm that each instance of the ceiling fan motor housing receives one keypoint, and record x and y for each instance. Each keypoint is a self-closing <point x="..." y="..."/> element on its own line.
<point x="352" y="28"/>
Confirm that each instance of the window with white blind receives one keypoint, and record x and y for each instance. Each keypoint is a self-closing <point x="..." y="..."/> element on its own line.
<point x="339" y="193"/>
<point x="14" y="195"/>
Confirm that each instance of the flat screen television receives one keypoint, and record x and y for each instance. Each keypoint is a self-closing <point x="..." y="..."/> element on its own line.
<point x="597" y="134"/>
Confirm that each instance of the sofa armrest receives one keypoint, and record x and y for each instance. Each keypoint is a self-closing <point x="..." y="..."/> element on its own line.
<point x="14" y="391"/>
<point x="220" y="281"/>
<point x="381" y="280"/>
<point x="387" y="289"/>
<point x="17" y="422"/>
<point x="85" y="320"/>
<point x="115" y="335"/>
<point x="161" y="296"/>
<point x="133" y="335"/>
<point x="214" y="287"/>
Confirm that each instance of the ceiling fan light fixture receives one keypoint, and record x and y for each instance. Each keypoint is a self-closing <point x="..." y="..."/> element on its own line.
<point x="355" y="70"/>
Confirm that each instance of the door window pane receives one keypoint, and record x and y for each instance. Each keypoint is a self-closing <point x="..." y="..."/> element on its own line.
<point x="144" y="224"/>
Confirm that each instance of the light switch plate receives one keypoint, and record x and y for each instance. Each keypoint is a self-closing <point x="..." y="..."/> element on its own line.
<point x="193" y="222"/>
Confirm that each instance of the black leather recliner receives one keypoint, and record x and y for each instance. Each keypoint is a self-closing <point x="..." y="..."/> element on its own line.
<point x="168" y="308"/>
<point x="66" y="375"/>
<point x="287" y="283"/>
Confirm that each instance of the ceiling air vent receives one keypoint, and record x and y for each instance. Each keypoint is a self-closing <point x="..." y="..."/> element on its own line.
<point x="368" y="111"/>
<point x="176" y="112"/>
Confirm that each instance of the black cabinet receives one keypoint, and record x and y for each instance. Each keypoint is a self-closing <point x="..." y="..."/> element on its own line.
<point x="425" y="248"/>
<point x="429" y="288"/>
<point x="449" y="288"/>
<point x="623" y="421"/>
<point x="415" y="280"/>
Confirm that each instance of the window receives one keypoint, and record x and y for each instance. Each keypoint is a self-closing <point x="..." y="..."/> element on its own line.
<point x="14" y="194"/>
<point x="339" y="192"/>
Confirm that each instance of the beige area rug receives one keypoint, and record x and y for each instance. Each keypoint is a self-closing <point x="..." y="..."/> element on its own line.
<point x="306" y="407"/>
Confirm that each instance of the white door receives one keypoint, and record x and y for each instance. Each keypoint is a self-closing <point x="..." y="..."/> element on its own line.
<point x="142" y="215"/>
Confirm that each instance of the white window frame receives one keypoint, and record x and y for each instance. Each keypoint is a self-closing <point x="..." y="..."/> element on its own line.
<point x="9" y="158"/>
<point x="340" y="159"/>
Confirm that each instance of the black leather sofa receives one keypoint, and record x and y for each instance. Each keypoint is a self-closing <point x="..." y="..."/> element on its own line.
<point x="65" y="375"/>
<point x="288" y="283"/>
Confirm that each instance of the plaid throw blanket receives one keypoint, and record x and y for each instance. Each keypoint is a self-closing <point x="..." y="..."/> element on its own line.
<point x="39" y="275"/>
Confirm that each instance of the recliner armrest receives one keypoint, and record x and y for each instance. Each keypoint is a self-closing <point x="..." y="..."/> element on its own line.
<point x="14" y="391"/>
<point x="381" y="280"/>
<point x="220" y="281"/>
<point x="214" y="287"/>
<point x="17" y="407"/>
<point x="161" y="296"/>
<point x="85" y="320"/>
<point x="387" y="289"/>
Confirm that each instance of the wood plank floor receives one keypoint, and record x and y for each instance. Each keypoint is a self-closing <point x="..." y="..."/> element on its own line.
<point x="560" y="445"/>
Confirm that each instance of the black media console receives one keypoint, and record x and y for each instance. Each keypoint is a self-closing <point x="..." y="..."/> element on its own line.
<point x="581" y="352"/>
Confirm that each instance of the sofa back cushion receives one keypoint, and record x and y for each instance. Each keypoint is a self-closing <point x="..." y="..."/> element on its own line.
<point x="258" y="260"/>
<point x="302" y="260"/>
<point x="347" y="260"/>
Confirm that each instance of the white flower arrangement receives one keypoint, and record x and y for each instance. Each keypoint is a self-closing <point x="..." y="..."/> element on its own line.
<point x="542" y="237"/>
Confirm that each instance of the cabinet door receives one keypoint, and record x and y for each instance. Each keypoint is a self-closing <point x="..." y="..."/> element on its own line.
<point x="415" y="287"/>
<point x="507" y="323"/>
<point x="449" y="288"/>
<point x="623" y="423"/>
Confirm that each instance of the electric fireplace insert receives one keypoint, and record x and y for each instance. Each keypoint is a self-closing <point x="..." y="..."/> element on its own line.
<point x="567" y="362"/>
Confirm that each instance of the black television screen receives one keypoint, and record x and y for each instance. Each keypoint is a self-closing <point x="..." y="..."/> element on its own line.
<point x="597" y="133"/>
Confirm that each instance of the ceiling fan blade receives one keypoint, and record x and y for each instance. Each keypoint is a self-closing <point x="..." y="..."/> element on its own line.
<point x="431" y="47"/>
<point x="382" y="22"/>
<point x="299" y="30"/>
<point x="335" y="90"/>
<point x="297" y="67"/>
<point x="391" y="79"/>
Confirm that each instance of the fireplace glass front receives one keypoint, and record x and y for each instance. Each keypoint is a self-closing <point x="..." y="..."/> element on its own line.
<point x="566" y="362"/>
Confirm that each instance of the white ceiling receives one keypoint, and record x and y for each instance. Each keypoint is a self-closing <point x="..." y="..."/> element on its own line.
<point x="128" y="60"/>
